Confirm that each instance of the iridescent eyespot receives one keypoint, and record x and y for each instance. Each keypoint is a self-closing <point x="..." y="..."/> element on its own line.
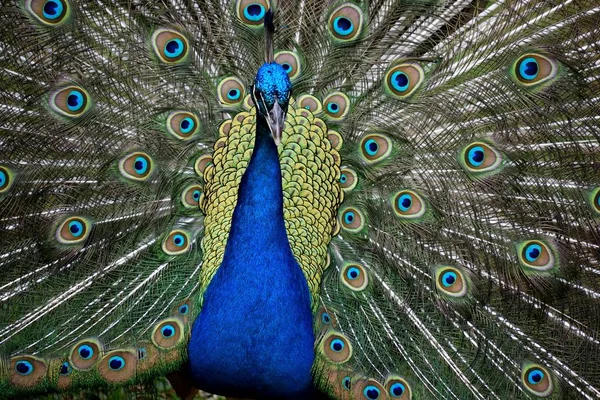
<point x="202" y="163"/>
<point x="183" y="309"/>
<point x="536" y="255"/>
<point x="177" y="242"/>
<point x="398" y="388"/>
<point x="537" y="380"/>
<point x="49" y="12"/>
<point x="347" y="383"/>
<point x="408" y="205"/>
<point x="480" y="158"/>
<point x="354" y="276"/>
<point x="325" y="318"/>
<point x="116" y="363"/>
<point x="252" y="12"/>
<point x="533" y="69"/>
<point x="191" y="195"/>
<point x="136" y="166"/>
<point x="368" y="389"/>
<point x="73" y="230"/>
<point x="170" y="45"/>
<point x="371" y="392"/>
<point x="23" y="367"/>
<point x="168" y="333"/>
<point x="182" y="125"/>
<point x="85" y="354"/>
<point x="402" y="80"/>
<point x="348" y="179"/>
<point x="346" y="23"/>
<point x="65" y="369"/>
<point x="450" y="281"/>
<point x="310" y="103"/>
<point x="352" y="219"/>
<point x="594" y="199"/>
<point x="70" y="101"/>
<point x="27" y="371"/>
<point x="230" y="91"/>
<point x="336" y="347"/>
<point x="290" y="63"/>
<point x="375" y="148"/>
<point x="6" y="179"/>
<point x="336" y="106"/>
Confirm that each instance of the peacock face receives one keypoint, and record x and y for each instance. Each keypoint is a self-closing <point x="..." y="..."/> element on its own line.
<point x="271" y="94"/>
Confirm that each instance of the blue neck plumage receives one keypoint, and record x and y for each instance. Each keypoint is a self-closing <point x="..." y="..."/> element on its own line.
<point x="254" y="337"/>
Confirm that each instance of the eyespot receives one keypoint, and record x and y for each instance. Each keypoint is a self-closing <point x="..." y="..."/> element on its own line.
<point x="168" y="333"/>
<point x="23" y="367"/>
<point x="346" y="23"/>
<point x="537" y="380"/>
<point x="85" y="354"/>
<point x="118" y="365"/>
<point x="310" y="103"/>
<point x="73" y="230"/>
<point x="348" y="179"/>
<point x="290" y="63"/>
<point x="594" y="199"/>
<point x="136" y="166"/>
<point x="6" y="179"/>
<point x="408" y="204"/>
<point x="371" y="392"/>
<point x="352" y="220"/>
<point x="49" y="12"/>
<point x="480" y="157"/>
<point x="70" y="101"/>
<point x="347" y="382"/>
<point x="190" y="197"/>
<point x="170" y="45"/>
<point x="536" y="255"/>
<point x="182" y="125"/>
<point x="65" y="369"/>
<point x="368" y="389"/>
<point x="183" y="309"/>
<point x="532" y="69"/>
<point x="230" y="91"/>
<point x="176" y="243"/>
<point x="201" y="163"/>
<point x="354" y="276"/>
<point x="336" y="106"/>
<point x="335" y="139"/>
<point x="450" y="281"/>
<point x="398" y="388"/>
<point x="27" y="371"/>
<point x="402" y="80"/>
<point x="375" y="148"/>
<point x="252" y="12"/>
<point x="336" y="347"/>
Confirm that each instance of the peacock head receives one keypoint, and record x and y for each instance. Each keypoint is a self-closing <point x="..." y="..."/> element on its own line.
<point x="271" y="94"/>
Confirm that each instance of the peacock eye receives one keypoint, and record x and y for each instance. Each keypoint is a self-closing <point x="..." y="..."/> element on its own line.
<point x="85" y="354"/>
<point x="336" y="347"/>
<point x="170" y="45"/>
<point x="290" y="63"/>
<point x="183" y="309"/>
<point x="167" y="333"/>
<point x="594" y="199"/>
<point x="325" y="318"/>
<point x="73" y="230"/>
<point x="230" y="91"/>
<point x="352" y="220"/>
<point x="136" y="166"/>
<point x="176" y="243"/>
<point x="347" y="382"/>
<point x="537" y="380"/>
<point x="337" y="106"/>
<point x="190" y="198"/>
<point x="532" y="69"/>
<point x="182" y="125"/>
<point x="6" y="179"/>
<point x="310" y="103"/>
<point x="450" y="281"/>
<point x="354" y="276"/>
<point x="346" y="22"/>
<point x="398" y="388"/>
<point x="371" y="392"/>
<point x="65" y="369"/>
<point x="536" y="255"/>
<point x="23" y="367"/>
<point x="348" y="179"/>
<point x="401" y="81"/>
<point x="202" y="163"/>
<point x="49" y="12"/>
<point x="71" y="101"/>
<point x="408" y="204"/>
<point x="116" y="363"/>
<point x="252" y="12"/>
<point x="478" y="158"/>
<point x="375" y="148"/>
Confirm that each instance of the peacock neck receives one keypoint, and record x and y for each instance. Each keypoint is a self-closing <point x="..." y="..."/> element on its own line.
<point x="255" y="326"/>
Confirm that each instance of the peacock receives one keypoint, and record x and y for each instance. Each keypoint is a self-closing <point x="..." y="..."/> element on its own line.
<point x="353" y="199"/>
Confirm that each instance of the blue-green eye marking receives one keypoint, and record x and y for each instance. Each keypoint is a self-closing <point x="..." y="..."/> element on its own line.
<point x="535" y="376"/>
<point x="140" y="165"/>
<point x="476" y="156"/>
<point x="532" y="252"/>
<point x="75" y="100"/>
<point x="116" y="363"/>
<point x="349" y="217"/>
<point x="400" y="81"/>
<point x="343" y="26"/>
<point x="167" y="331"/>
<point x="337" y="345"/>
<point x="187" y="125"/>
<point x="254" y="12"/>
<point x="174" y="48"/>
<point x="333" y="107"/>
<point x="287" y="67"/>
<point x="53" y="9"/>
<point x="371" y="147"/>
<point x="346" y="382"/>
<point x="179" y="240"/>
<point x="184" y="309"/>
<point x="86" y="352"/>
<point x="353" y="273"/>
<point x="343" y="178"/>
<point x="397" y="389"/>
<point x="24" y="367"/>
<point x="76" y="228"/>
<point x="196" y="195"/>
<point x="371" y="392"/>
<point x="448" y="278"/>
<point x="65" y="368"/>
<point x="234" y="94"/>
<point x="529" y="68"/>
<point x="3" y="178"/>
<point x="405" y="202"/>
<point x="325" y="318"/>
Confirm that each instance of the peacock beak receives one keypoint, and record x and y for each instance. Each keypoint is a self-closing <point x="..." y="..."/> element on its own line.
<point x="276" y="122"/>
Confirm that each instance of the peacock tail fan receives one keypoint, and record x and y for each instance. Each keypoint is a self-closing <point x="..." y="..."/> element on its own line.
<point x="439" y="167"/>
